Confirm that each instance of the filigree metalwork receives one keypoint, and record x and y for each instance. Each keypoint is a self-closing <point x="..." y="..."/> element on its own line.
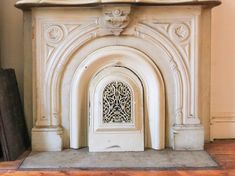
<point x="117" y="106"/>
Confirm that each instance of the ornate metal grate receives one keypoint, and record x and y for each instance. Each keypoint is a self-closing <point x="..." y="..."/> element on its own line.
<point x="117" y="103"/>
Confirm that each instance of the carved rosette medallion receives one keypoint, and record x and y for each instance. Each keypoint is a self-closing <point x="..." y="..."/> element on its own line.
<point x="180" y="32"/>
<point x="54" y="34"/>
<point x="116" y="19"/>
<point x="117" y="103"/>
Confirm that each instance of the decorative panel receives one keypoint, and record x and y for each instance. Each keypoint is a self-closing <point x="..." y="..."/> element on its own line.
<point x="117" y="103"/>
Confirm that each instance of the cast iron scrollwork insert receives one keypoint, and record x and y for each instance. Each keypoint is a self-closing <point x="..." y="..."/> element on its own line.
<point x="117" y="103"/>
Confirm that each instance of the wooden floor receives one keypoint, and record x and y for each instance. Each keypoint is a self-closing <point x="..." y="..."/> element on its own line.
<point x="222" y="151"/>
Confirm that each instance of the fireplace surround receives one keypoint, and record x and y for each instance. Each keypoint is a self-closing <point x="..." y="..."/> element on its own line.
<point x="117" y="75"/>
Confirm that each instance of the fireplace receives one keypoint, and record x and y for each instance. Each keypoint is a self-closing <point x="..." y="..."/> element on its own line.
<point x="120" y="76"/>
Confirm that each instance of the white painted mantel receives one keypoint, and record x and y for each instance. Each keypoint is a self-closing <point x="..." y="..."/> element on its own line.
<point x="162" y="53"/>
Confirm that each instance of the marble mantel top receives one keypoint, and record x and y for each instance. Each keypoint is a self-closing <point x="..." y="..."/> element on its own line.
<point x="44" y="3"/>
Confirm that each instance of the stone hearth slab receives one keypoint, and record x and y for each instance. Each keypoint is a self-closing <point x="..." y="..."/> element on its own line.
<point x="82" y="159"/>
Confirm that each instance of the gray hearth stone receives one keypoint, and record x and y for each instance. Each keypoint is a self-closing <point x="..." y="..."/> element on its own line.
<point x="82" y="159"/>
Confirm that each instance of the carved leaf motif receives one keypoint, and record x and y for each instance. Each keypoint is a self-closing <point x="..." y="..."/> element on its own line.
<point x="54" y="34"/>
<point x="117" y="105"/>
<point x="181" y="32"/>
<point x="116" y="19"/>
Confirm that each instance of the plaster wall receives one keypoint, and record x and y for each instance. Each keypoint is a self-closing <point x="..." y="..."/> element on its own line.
<point x="12" y="39"/>
<point x="223" y="59"/>
<point x="223" y="72"/>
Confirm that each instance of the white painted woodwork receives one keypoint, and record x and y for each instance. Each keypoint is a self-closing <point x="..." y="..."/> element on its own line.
<point x="158" y="47"/>
<point x="222" y="126"/>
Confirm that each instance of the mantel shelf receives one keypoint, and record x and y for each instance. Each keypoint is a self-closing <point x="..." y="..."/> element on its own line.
<point x="53" y="3"/>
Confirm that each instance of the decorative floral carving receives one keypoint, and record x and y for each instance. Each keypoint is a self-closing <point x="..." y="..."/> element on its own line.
<point x="54" y="34"/>
<point x="180" y="31"/>
<point x="117" y="103"/>
<point x="116" y="19"/>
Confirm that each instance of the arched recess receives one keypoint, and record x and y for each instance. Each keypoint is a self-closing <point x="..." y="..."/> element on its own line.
<point x="179" y="68"/>
<point x="144" y="68"/>
<point x="147" y="40"/>
<point x="63" y="54"/>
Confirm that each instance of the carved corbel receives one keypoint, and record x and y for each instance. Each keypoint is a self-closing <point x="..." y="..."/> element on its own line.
<point x="115" y="19"/>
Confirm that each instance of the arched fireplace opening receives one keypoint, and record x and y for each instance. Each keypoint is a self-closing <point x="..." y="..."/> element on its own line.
<point x="120" y="63"/>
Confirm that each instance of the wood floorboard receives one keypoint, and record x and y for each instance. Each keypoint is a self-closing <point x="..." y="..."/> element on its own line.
<point x="224" y="157"/>
<point x="10" y="165"/>
<point x="13" y="165"/>
<point x="121" y="173"/>
<point x="222" y="151"/>
<point x="227" y="164"/>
